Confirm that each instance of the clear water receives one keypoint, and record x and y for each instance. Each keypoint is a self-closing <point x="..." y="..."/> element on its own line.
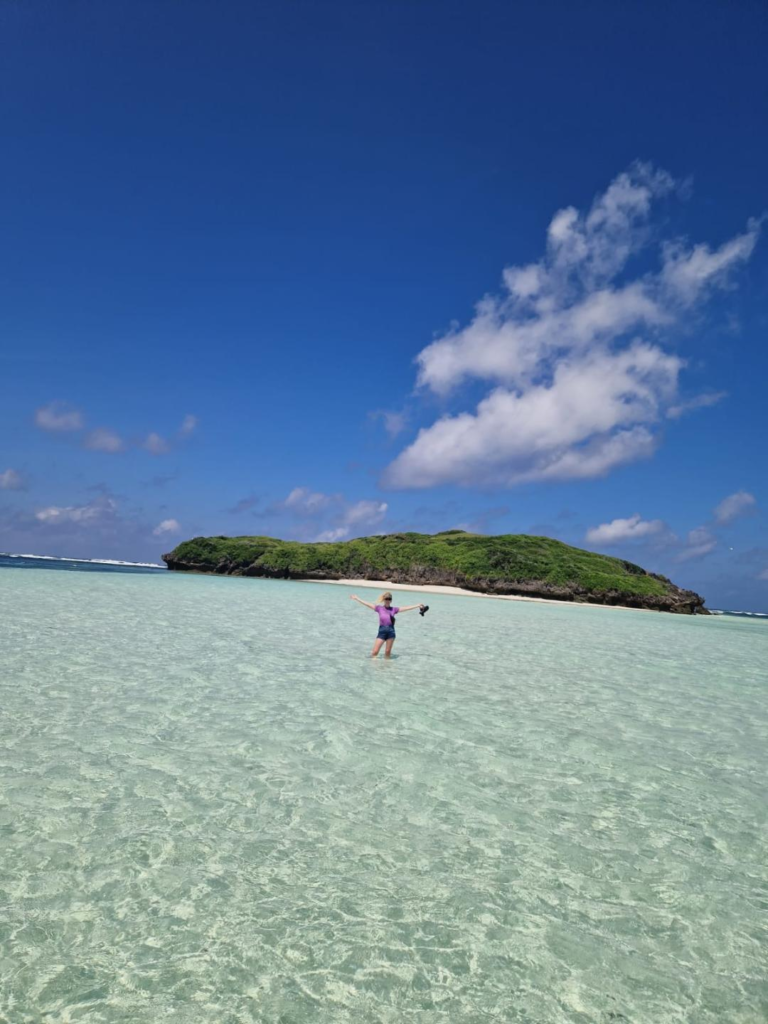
<point x="215" y="809"/>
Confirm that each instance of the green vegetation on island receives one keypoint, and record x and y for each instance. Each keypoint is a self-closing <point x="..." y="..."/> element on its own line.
<point x="506" y="564"/>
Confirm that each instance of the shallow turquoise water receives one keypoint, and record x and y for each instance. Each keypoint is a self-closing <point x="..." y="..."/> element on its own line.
<point x="215" y="809"/>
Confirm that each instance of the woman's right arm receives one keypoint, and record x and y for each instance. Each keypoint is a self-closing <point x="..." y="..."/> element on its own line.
<point x="354" y="597"/>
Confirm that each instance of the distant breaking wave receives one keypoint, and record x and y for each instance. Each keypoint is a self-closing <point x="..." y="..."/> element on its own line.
<point x="91" y="561"/>
<point x="747" y="615"/>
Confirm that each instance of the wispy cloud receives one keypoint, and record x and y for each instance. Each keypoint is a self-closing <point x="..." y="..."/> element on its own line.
<point x="674" y="412"/>
<point x="104" y="440"/>
<point x="306" y="502"/>
<point x="734" y="506"/>
<point x="699" y="543"/>
<point x="330" y="536"/>
<point x="576" y="390"/>
<point x="394" y="422"/>
<point x="11" y="480"/>
<point x="59" y="417"/>
<point x="244" y="505"/>
<point x="188" y="425"/>
<point x="167" y="527"/>
<point x="687" y="273"/>
<point x="155" y="444"/>
<point x="96" y="512"/>
<point x="353" y="517"/>
<point x="367" y="512"/>
<point x="325" y="517"/>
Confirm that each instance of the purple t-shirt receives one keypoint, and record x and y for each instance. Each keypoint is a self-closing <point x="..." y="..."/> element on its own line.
<point x="385" y="614"/>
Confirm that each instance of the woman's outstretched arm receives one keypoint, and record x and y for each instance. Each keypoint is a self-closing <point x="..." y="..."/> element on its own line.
<point x="367" y="604"/>
<point x="411" y="607"/>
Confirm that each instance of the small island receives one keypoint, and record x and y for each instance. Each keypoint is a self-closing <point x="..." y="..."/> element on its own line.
<point x="509" y="564"/>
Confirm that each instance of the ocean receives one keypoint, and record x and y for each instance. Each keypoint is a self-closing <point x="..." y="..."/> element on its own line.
<point x="215" y="809"/>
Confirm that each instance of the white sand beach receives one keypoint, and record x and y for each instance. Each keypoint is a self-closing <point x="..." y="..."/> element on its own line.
<point x="431" y="588"/>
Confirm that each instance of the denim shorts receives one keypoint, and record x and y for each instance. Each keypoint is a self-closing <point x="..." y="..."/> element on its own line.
<point x="386" y="633"/>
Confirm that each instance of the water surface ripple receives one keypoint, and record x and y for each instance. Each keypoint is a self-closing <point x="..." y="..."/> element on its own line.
<point x="216" y="810"/>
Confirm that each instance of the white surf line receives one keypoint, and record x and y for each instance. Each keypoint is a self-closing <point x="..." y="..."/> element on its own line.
<point x="89" y="561"/>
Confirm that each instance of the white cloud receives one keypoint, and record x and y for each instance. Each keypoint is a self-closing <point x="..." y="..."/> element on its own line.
<point x="58" y="417"/>
<point x="763" y="575"/>
<point x="687" y="273"/>
<point x="329" y="536"/>
<point x="341" y="516"/>
<point x="167" y="526"/>
<point x="595" y="459"/>
<point x="591" y="417"/>
<point x="61" y="417"/>
<point x="156" y="444"/>
<point x="103" y="440"/>
<point x="700" y="542"/>
<point x="514" y="345"/>
<point x="735" y="505"/>
<point x="368" y="512"/>
<point x="674" y="412"/>
<point x="94" y="513"/>
<point x="361" y="513"/>
<point x="576" y="391"/>
<point x="188" y="425"/>
<point x="307" y="502"/>
<point x="11" y="480"/>
<point x="394" y="422"/>
<point x="620" y="530"/>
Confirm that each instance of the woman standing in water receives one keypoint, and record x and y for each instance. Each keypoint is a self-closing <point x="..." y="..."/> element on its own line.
<point x="387" y="613"/>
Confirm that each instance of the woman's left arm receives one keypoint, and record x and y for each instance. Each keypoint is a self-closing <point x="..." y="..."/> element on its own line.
<point x="411" y="607"/>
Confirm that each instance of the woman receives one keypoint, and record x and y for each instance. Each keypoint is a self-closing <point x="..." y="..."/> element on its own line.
<point x="387" y="615"/>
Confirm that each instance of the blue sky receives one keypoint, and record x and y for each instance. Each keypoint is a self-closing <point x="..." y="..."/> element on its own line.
<point x="323" y="270"/>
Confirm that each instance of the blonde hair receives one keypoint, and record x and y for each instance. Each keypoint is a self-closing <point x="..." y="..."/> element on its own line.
<point x="386" y="596"/>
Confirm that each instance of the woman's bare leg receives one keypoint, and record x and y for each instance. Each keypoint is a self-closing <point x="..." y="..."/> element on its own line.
<point x="388" y="651"/>
<point x="376" y="648"/>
